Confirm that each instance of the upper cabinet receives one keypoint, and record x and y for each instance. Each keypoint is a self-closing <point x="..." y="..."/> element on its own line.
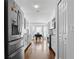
<point x="15" y="20"/>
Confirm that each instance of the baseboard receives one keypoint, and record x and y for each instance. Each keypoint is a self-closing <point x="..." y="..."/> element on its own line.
<point x="27" y="47"/>
<point x="53" y="51"/>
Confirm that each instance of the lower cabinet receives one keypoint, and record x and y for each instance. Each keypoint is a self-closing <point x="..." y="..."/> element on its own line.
<point x="15" y="49"/>
<point x="16" y="55"/>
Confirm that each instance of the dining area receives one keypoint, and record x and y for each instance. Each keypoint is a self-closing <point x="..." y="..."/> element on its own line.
<point x="38" y="37"/>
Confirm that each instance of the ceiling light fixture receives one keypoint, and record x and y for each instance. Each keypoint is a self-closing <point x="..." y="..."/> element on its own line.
<point x="36" y="6"/>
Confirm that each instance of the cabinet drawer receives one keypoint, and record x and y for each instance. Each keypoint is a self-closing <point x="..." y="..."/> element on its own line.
<point x="17" y="54"/>
<point x="15" y="45"/>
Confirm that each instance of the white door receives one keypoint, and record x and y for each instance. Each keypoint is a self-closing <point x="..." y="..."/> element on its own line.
<point x="63" y="29"/>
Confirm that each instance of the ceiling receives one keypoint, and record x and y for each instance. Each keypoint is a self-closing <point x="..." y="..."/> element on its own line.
<point x="43" y="14"/>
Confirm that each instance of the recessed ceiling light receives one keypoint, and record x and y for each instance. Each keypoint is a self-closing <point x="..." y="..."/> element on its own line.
<point x="36" y="6"/>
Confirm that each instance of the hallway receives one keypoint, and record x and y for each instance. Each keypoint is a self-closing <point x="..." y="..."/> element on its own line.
<point x="50" y="19"/>
<point x="39" y="50"/>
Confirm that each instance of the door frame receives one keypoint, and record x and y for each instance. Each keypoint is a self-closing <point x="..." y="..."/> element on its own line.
<point x="6" y="29"/>
<point x="58" y="28"/>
